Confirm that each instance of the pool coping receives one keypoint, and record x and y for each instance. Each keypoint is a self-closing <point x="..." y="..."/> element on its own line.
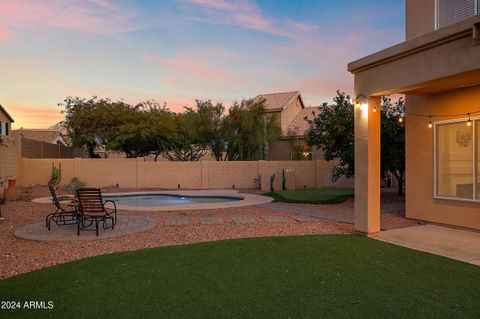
<point x="246" y="200"/>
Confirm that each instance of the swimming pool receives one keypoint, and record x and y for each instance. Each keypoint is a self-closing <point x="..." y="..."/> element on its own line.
<point x="153" y="200"/>
<point x="177" y="200"/>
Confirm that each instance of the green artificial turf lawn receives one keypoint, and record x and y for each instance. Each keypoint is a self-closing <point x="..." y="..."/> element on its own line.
<point x="330" y="276"/>
<point x="312" y="196"/>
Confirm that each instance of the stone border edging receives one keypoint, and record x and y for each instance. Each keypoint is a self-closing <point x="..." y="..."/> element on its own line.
<point x="247" y="200"/>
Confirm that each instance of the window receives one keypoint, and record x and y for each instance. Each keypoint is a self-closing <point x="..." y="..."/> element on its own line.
<point x="457" y="160"/>
<point x="452" y="11"/>
<point x="300" y="152"/>
<point x="4" y="128"/>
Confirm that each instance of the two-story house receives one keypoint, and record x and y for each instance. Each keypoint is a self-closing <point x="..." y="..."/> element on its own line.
<point x="438" y="69"/>
<point x="8" y="151"/>
<point x="290" y="112"/>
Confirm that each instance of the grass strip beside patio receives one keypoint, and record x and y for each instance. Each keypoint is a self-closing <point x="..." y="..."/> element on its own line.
<point x="328" y="276"/>
<point x="312" y="196"/>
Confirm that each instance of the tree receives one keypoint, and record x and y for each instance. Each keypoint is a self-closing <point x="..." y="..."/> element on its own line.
<point x="393" y="140"/>
<point x="187" y="144"/>
<point x="247" y="129"/>
<point x="149" y="128"/>
<point x="88" y="122"/>
<point x="332" y="131"/>
<point x="144" y="129"/>
<point x="210" y="119"/>
<point x="139" y="130"/>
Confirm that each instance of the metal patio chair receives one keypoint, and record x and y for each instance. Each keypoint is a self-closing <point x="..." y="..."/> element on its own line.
<point x="92" y="210"/>
<point x="64" y="214"/>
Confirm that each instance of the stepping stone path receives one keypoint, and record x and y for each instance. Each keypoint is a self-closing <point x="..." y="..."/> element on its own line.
<point x="243" y="220"/>
<point x="211" y="221"/>
<point x="275" y="219"/>
<point x="179" y="221"/>
<point x="303" y="218"/>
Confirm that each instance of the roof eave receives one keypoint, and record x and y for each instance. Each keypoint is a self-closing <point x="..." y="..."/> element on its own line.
<point x="6" y="113"/>
<point x="421" y="43"/>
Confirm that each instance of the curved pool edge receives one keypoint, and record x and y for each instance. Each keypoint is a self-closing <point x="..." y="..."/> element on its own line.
<point x="246" y="200"/>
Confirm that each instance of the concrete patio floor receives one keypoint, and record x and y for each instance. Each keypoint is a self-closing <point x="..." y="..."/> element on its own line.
<point x="346" y="215"/>
<point x="453" y="243"/>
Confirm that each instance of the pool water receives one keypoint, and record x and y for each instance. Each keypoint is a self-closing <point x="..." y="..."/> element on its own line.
<point x="151" y="200"/>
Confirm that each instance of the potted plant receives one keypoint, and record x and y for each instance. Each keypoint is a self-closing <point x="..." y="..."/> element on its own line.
<point x="11" y="194"/>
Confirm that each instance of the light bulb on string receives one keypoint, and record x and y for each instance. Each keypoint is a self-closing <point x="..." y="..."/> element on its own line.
<point x="430" y="122"/>
<point x="469" y="122"/>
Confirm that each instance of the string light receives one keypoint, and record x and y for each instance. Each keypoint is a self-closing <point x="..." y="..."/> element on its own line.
<point x="430" y="125"/>
<point x="374" y="108"/>
<point x="400" y="119"/>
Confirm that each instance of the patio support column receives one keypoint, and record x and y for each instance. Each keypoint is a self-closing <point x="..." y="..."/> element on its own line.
<point x="367" y="166"/>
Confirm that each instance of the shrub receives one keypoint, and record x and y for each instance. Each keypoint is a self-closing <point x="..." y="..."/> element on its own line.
<point x="75" y="184"/>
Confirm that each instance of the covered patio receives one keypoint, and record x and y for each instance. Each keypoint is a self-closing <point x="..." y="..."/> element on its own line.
<point x="439" y="73"/>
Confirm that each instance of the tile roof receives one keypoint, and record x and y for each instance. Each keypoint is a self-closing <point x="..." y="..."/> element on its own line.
<point x="6" y="113"/>
<point x="44" y="135"/>
<point x="299" y="125"/>
<point x="277" y="101"/>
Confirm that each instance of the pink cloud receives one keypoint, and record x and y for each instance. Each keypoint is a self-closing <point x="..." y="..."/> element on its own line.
<point x="245" y="14"/>
<point x="4" y="35"/>
<point x="224" y="5"/>
<point x="94" y="16"/>
<point x="196" y="68"/>
<point x="321" y="86"/>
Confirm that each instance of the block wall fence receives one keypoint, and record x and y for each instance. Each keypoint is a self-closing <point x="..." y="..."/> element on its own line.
<point x="137" y="173"/>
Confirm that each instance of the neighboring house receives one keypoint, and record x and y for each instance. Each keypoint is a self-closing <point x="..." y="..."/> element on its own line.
<point x="8" y="153"/>
<point x="51" y="135"/>
<point x="5" y="122"/>
<point x="290" y="111"/>
<point x="438" y="69"/>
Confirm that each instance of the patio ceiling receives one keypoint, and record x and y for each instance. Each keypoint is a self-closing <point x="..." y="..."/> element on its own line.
<point x="436" y="62"/>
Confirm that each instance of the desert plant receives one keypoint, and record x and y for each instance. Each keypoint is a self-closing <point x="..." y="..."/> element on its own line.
<point x="75" y="184"/>
<point x="272" y="178"/>
<point x="56" y="175"/>
<point x="258" y="182"/>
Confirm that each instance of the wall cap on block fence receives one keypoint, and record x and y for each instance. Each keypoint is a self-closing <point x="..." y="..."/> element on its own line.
<point x="137" y="173"/>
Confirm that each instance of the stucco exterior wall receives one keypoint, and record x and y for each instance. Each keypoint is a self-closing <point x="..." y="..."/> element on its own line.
<point x="289" y="113"/>
<point x="189" y="175"/>
<point x="420" y="203"/>
<point x="420" y="18"/>
<point x="279" y="150"/>
<point x="9" y="158"/>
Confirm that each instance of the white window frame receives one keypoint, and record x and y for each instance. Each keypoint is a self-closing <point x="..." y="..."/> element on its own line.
<point x="474" y="157"/>
<point x="476" y="4"/>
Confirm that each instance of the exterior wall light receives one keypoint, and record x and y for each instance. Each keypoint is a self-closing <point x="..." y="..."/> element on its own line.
<point x="362" y="102"/>
<point x="364" y="107"/>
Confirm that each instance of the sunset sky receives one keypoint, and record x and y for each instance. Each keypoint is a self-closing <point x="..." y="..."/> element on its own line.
<point x="181" y="50"/>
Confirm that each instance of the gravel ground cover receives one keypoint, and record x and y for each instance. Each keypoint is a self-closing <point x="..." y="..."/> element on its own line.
<point x="19" y="256"/>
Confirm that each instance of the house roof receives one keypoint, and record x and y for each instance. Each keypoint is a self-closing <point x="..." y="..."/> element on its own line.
<point x="299" y="125"/>
<point x="6" y="113"/>
<point x="278" y="101"/>
<point x="44" y="135"/>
